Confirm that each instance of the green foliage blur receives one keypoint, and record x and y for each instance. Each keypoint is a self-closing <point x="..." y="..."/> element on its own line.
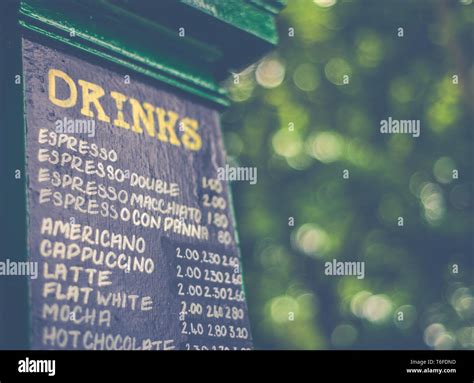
<point x="308" y="114"/>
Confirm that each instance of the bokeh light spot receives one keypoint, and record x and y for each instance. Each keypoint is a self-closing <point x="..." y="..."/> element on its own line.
<point x="327" y="146"/>
<point x="325" y="3"/>
<point x="306" y="77"/>
<point x="282" y="306"/>
<point x="311" y="240"/>
<point x="336" y="69"/>
<point x="286" y="143"/>
<point x="443" y="169"/>
<point x="377" y="308"/>
<point x="270" y="72"/>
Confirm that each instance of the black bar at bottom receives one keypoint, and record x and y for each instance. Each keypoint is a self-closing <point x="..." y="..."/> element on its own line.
<point x="136" y="366"/>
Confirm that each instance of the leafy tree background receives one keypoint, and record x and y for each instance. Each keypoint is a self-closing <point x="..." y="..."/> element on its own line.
<point x="297" y="120"/>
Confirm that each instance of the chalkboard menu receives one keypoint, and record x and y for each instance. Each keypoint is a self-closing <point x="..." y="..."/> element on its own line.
<point x="130" y="225"/>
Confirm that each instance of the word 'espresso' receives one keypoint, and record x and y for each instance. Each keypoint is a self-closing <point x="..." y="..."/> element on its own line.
<point x="164" y="128"/>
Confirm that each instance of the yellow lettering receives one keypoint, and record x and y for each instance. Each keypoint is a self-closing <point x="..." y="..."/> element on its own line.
<point x="90" y="95"/>
<point x="139" y="115"/>
<point x="191" y="138"/>
<point x="68" y="102"/>
<point x="119" y="100"/>
<point x="167" y="125"/>
<point x="143" y="114"/>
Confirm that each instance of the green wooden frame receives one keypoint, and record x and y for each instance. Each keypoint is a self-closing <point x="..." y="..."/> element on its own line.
<point x="123" y="32"/>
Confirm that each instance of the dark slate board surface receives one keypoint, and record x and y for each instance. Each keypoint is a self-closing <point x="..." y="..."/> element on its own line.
<point x="197" y="299"/>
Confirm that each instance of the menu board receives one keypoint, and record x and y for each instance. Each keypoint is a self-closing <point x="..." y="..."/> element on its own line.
<point x="130" y="225"/>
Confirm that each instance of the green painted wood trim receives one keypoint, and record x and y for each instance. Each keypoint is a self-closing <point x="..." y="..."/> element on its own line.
<point x="273" y="6"/>
<point x="242" y="30"/>
<point x="144" y="47"/>
<point x="242" y="15"/>
<point x="222" y="101"/>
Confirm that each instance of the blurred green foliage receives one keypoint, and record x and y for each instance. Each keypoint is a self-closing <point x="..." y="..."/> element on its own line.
<point x="311" y="110"/>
